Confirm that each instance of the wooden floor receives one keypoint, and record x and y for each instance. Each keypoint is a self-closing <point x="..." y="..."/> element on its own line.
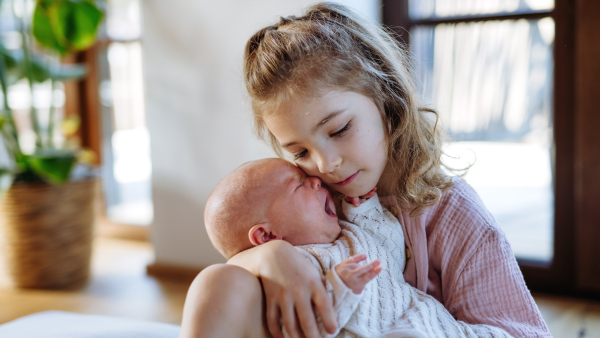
<point x="120" y="287"/>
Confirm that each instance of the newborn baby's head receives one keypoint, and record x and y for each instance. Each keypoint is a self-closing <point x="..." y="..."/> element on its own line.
<point x="265" y="200"/>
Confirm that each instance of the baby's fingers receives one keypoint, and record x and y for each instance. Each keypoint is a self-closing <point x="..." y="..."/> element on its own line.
<point x="355" y="259"/>
<point x="360" y="271"/>
<point x="355" y="201"/>
<point x="369" y="194"/>
<point x="367" y="277"/>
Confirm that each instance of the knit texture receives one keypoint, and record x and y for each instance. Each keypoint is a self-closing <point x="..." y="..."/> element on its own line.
<point x="389" y="306"/>
<point x="460" y="256"/>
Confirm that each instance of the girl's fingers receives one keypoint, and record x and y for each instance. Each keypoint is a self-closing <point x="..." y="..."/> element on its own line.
<point x="306" y="317"/>
<point x="273" y="323"/>
<point x="289" y="320"/>
<point x="324" y="306"/>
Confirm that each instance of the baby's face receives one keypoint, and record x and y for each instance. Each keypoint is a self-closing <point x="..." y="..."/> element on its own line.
<point x="302" y="211"/>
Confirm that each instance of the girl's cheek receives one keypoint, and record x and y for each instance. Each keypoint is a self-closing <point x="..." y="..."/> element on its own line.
<point x="309" y="168"/>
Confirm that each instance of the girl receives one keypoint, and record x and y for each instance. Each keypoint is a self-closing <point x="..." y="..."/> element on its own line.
<point x="336" y="93"/>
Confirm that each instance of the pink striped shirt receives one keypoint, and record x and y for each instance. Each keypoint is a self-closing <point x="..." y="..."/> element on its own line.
<point x="460" y="256"/>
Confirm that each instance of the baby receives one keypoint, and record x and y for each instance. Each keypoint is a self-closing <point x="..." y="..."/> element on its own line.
<point x="273" y="199"/>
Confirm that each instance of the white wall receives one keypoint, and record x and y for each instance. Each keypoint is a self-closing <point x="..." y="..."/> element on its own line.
<point x="197" y="111"/>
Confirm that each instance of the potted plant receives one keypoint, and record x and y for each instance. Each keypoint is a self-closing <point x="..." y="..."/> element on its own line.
<point x="47" y="212"/>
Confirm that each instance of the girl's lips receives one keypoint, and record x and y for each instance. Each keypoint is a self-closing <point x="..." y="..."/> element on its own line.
<point x="348" y="180"/>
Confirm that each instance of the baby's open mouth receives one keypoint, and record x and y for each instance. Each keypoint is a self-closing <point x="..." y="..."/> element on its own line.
<point x="328" y="210"/>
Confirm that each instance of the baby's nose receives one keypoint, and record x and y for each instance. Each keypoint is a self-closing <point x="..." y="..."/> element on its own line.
<point x="315" y="182"/>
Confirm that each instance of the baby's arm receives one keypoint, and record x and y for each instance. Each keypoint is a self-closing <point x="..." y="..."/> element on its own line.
<point x="344" y="283"/>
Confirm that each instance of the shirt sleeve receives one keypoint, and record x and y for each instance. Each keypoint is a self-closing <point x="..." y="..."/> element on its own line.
<point x="491" y="290"/>
<point x="345" y="302"/>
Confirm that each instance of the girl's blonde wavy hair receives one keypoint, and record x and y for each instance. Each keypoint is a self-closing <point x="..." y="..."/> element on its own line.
<point x="330" y="47"/>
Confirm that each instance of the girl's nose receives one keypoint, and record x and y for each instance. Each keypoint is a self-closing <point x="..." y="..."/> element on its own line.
<point x="328" y="162"/>
<point x="315" y="182"/>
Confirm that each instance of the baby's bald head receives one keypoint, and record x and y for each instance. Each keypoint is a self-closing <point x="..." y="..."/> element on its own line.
<point x="238" y="202"/>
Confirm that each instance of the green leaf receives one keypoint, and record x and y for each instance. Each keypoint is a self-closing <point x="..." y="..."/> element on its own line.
<point x="45" y="68"/>
<point x="87" y="20"/>
<point x="66" y="25"/>
<point x="12" y="61"/>
<point x="42" y="29"/>
<point x="52" y="165"/>
<point x="40" y="68"/>
<point x="75" y="23"/>
<point x="62" y="20"/>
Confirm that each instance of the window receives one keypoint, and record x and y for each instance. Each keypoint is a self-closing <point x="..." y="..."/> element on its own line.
<point x="126" y="141"/>
<point x="506" y="92"/>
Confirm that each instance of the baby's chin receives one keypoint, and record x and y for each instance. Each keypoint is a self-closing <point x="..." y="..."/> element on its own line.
<point x="334" y="233"/>
<point x="328" y="236"/>
<point x="337" y="234"/>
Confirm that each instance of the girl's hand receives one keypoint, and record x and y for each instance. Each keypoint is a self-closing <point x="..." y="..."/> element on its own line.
<point x="356" y="201"/>
<point x="357" y="276"/>
<point x="292" y="285"/>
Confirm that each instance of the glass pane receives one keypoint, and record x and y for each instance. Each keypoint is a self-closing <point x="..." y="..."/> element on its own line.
<point x="491" y="82"/>
<point x="428" y="9"/>
<point x="126" y="155"/>
<point x="123" y="19"/>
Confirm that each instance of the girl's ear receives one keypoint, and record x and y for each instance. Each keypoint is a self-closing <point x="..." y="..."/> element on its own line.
<point x="261" y="234"/>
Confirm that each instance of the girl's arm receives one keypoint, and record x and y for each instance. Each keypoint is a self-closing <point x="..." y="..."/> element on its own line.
<point x="490" y="290"/>
<point x="482" y="282"/>
<point x="291" y="285"/>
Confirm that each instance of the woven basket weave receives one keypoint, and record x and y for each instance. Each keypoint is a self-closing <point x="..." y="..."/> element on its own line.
<point x="46" y="234"/>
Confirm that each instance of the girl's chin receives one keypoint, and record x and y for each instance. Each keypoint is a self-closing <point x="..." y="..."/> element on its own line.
<point x="353" y="192"/>
<point x="354" y="189"/>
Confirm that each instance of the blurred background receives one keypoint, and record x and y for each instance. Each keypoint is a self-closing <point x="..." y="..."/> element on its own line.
<point x="165" y="110"/>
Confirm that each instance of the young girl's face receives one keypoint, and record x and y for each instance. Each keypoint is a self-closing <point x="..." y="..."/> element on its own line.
<point x="338" y="137"/>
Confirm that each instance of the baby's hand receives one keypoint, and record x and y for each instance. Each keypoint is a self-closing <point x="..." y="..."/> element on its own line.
<point x="356" y="201"/>
<point x="356" y="276"/>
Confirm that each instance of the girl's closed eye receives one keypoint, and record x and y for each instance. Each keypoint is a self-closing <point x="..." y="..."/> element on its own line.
<point x="300" y="154"/>
<point x="342" y="131"/>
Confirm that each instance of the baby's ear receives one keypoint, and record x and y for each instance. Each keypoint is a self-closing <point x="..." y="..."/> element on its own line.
<point x="261" y="234"/>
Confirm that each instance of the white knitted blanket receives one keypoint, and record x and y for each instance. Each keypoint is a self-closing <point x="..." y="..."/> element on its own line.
<point x="387" y="307"/>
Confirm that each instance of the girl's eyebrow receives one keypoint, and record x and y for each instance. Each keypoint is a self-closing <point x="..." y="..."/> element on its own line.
<point x="326" y="119"/>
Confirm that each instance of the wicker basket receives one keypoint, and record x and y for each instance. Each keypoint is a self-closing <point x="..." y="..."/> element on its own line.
<point x="46" y="234"/>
